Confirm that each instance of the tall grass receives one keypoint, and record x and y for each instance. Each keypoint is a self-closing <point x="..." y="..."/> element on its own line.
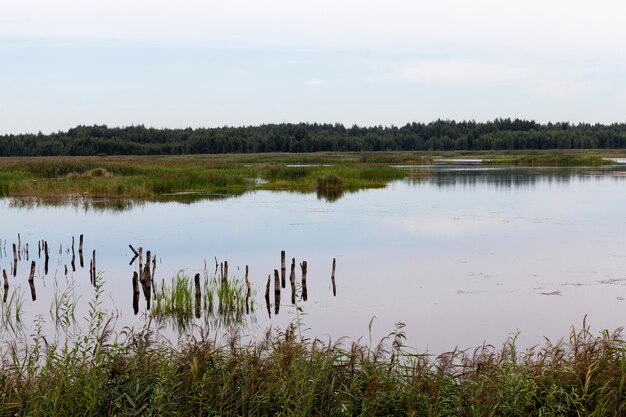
<point x="222" y="302"/>
<point x="135" y="373"/>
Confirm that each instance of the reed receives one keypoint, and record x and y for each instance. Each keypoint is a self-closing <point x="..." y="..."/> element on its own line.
<point x="282" y="373"/>
<point x="223" y="302"/>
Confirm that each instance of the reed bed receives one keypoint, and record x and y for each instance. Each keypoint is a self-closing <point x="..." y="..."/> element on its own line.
<point x="136" y="372"/>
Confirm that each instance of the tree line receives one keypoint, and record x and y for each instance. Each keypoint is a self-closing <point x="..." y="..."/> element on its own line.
<point x="440" y="135"/>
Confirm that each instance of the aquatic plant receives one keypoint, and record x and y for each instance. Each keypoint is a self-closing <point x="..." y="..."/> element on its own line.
<point x="220" y="302"/>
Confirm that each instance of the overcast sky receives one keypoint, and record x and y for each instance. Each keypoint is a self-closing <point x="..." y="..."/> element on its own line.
<point x="213" y="63"/>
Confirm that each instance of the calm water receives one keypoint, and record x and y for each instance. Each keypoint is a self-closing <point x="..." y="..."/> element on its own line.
<point x="464" y="256"/>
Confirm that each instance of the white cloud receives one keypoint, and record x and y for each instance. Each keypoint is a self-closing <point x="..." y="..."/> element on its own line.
<point x="458" y="72"/>
<point x="315" y="82"/>
<point x="564" y="87"/>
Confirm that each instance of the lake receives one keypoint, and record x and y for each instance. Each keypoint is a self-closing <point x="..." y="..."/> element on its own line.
<point x="464" y="256"/>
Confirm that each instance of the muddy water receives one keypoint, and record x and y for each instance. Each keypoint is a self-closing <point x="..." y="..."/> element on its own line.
<point x="464" y="256"/>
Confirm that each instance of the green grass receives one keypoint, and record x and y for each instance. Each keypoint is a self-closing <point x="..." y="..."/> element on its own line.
<point x="284" y="375"/>
<point x="222" y="303"/>
<point x="189" y="178"/>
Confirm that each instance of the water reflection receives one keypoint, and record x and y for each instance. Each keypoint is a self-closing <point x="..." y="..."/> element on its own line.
<point x="507" y="177"/>
<point x="460" y="255"/>
<point x="113" y="205"/>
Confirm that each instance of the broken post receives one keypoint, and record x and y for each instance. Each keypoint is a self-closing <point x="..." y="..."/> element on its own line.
<point x="146" y="282"/>
<point x="247" y="292"/>
<point x="46" y="256"/>
<point x="196" y="281"/>
<point x="303" y="267"/>
<point x="6" y="285"/>
<point x="135" y="292"/>
<point x="31" y="281"/>
<point x="154" y="289"/>
<point x="276" y="292"/>
<point x="80" y="251"/>
<point x="282" y="269"/>
<point x="267" y="295"/>
<point x="332" y="279"/>
<point x="141" y="265"/>
<point x="292" y="280"/>
<point x="93" y="266"/>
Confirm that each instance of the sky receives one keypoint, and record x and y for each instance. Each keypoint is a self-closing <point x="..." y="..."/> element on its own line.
<point x="200" y="63"/>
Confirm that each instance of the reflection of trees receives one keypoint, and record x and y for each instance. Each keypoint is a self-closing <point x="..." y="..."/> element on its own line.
<point x="506" y="178"/>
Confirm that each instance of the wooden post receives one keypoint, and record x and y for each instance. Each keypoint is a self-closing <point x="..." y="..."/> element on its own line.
<point x="154" y="288"/>
<point x="305" y="293"/>
<point x="19" y="247"/>
<point x="196" y="281"/>
<point x="225" y="276"/>
<point x="292" y="280"/>
<point x="14" y="253"/>
<point x="46" y="256"/>
<point x="276" y="292"/>
<point x="141" y="265"/>
<point x="31" y="281"/>
<point x="39" y="247"/>
<point x="332" y="279"/>
<point x="27" y="252"/>
<point x="6" y="285"/>
<point x="146" y="282"/>
<point x="135" y="292"/>
<point x="93" y="267"/>
<point x="32" y="271"/>
<point x="282" y="269"/>
<point x="80" y="251"/>
<point x="267" y="296"/>
<point x="248" y="292"/>
<point x="146" y="270"/>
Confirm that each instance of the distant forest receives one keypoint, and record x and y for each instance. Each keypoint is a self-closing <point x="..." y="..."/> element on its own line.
<point x="440" y="135"/>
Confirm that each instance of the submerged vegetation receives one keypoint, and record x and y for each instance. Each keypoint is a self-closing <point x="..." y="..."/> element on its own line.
<point x="189" y="178"/>
<point x="136" y="372"/>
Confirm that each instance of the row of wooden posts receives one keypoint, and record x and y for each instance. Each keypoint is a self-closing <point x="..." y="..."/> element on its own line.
<point x="22" y="252"/>
<point x="281" y="282"/>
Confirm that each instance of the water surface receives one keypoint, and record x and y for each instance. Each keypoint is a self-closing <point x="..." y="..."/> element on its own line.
<point x="464" y="256"/>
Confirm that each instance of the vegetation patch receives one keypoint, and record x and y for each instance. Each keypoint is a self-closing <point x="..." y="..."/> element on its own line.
<point x="189" y="178"/>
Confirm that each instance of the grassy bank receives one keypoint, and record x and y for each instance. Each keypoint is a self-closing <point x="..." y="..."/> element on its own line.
<point x="188" y="177"/>
<point x="283" y="374"/>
